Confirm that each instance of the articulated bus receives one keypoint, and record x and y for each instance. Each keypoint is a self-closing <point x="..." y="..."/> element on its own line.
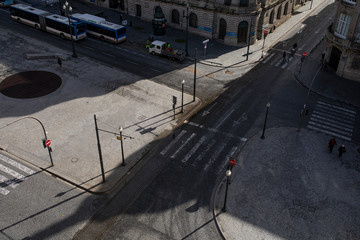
<point x="48" y="22"/>
<point x="100" y="28"/>
<point x="6" y="3"/>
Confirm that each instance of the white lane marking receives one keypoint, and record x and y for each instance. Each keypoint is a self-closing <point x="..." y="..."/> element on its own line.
<point x="338" y="124"/>
<point x="302" y="47"/>
<point x="183" y="145"/>
<point x="329" y="133"/>
<point x="227" y="134"/>
<point x="215" y="155"/>
<point x="132" y="62"/>
<point x="233" y="149"/>
<point x="195" y="124"/>
<point x="287" y="63"/>
<point x="173" y="142"/>
<point x="108" y="54"/>
<point x="268" y="58"/>
<point x="193" y="150"/>
<point x="17" y="165"/>
<point x="202" y="154"/>
<point x="338" y="107"/>
<point x="11" y="172"/>
<point x="336" y="113"/>
<point x="329" y="129"/>
<point x="225" y="118"/>
<point x="4" y="191"/>
<point x="8" y="182"/>
<point x="155" y="70"/>
<point x="212" y="106"/>
<point x="281" y="60"/>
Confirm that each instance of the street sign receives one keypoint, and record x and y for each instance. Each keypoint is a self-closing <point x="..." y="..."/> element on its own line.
<point x="304" y="54"/>
<point x="207" y="40"/>
<point x="47" y="143"/>
<point x="265" y="33"/>
<point x="118" y="138"/>
<point x="232" y="162"/>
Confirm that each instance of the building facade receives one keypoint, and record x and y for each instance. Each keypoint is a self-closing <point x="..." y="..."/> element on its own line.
<point x="343" y="40"/>
<point x="234" y="22"/>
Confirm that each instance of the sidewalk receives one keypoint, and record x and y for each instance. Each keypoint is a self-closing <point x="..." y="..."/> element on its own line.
<point x="288" y="186"/>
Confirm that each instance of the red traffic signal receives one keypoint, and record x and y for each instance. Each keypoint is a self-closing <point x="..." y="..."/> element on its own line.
<point x="265" y="33"/>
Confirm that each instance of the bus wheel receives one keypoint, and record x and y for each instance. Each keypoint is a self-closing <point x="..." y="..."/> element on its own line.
<point x="18" y="20"/>
<point x="36" y="27"/>
<point x="102" y="38"/>
<point x="62" y="35"/>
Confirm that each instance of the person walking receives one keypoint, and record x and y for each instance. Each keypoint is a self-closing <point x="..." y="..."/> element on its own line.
<point x="59" y="62"/>
<point x="332" y="143"/>
<point x="284" y="56"/>
<point x="341" y="150"/>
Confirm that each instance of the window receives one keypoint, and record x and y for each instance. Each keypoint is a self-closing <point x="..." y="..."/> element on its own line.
<point x="244" y="3"/>
<point x="271" y="17"/>
<point x="175" y="16"/>
<point x="279" y="13"/>
<point x="342" y="26"/>
<point x="242" y="31"/>
<point x="193" y="20"/>
<point x="227" y="2"/>
<point x="286" y="8"/>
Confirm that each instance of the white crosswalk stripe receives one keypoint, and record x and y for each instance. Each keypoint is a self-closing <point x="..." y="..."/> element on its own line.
<point x="8" y="171"/>
<point x="333" y="119"/>
<point x="279" y="61"/>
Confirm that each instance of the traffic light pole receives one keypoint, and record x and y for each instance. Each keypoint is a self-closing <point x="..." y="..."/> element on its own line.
<point x="99" y="148"/>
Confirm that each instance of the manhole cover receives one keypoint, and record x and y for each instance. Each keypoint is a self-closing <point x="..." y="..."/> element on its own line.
<point x="31" y="84"/>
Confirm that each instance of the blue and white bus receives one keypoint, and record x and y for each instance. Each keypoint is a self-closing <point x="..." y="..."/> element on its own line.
<point x="6" y="3"/>
<point x="100" y="28"/>
<point x="48" y="22"/>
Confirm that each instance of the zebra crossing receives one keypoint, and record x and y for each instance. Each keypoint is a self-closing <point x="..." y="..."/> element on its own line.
<point x="205" y="149"/>
<point x="278" y="61"/>
<point x="333" y="119"/>
<point x="10" y="178"/>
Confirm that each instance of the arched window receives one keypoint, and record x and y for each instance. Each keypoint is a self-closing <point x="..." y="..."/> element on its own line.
<point x="222" y="29"/>
<point x="227" y="2"/>
<point x="286" y="8"/>
<point x="242" y="31"/>
<point x="244" y="3"/>
<point x="193" y="20"/>
<point x="278" y="16"/>
<point x="271" y="17"/>
<point x="175" y="16"/>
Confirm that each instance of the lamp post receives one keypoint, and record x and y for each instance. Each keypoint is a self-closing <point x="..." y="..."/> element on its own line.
<point x="267" y="110"/>
<point x="119" y="12"/>
<point x="68" y="9"/>
<point x="187" y="29"/>
<point x="195" y="75"/>
<point x="182" y="96"/>
<point x="228" y="174"/>
<point x="122" y="147"/>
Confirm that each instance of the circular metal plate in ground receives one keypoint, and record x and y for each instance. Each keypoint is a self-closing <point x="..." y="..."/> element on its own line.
<point x="30" y="84"/>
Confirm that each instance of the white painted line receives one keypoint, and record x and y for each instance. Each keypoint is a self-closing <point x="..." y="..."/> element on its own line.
<point x="330" y="129"/>
<point x="302" y="47"/>
<point x="212" y="106"/>
<point x="231" y="153"/>
<point x="268" y="58"/>
<point x="173" y="142"/>
<point x="183" y="145"/>
<point x="215" y="155"/>
<point x="195" y="124"/>
<point x="281" y="60"/>
<point x="12" y="172"/>
<point x="8" y="182"/>
<point x="335" y="112"/>
<point x="227" y="134"/>
<point x="4" y="191"/>
<point x="338" y="107"/>
<point x="349" y="130"/>
<point x="330" y="121"/>
<point x="155" y="70"/>
<point x="225" y="118"/>
<point x="17" y="165"/>
<point x="226" y="162"/>
<point x="329" y="133"/>
<point x="108" y="54"/>
<point x="208" y="147"/>
<point x="334" y="117"/>
<point x="132" y="62"/>
<point x="193" y="150"/>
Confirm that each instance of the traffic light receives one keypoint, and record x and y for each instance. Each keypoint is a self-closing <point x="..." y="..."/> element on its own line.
<point x="174" y="100"/>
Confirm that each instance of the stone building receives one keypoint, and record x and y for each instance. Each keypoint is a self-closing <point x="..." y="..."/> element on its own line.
<point x="234" y="22"/>
<point x="343" y="40"/>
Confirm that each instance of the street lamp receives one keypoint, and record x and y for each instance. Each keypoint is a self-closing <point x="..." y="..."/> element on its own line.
<point x="267" y="110"/>
<point x="187" y="29"/>
<point x="68" y="9"/>
<point x="195" y="75"/>
<point x="228" y="174"/>
<point x="182" y="96"/>
<point x="122" y="147"/>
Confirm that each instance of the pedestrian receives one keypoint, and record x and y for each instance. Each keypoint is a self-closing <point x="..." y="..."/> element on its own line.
<point x="284" y="56"/>
<point x="60" y="62"/>
<point x="262" y="54"/>
<point x="341" y="150"/>
<point x="332" y="143"/>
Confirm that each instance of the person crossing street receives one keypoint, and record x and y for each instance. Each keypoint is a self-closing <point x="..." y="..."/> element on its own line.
<point x="332" y="143"/>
